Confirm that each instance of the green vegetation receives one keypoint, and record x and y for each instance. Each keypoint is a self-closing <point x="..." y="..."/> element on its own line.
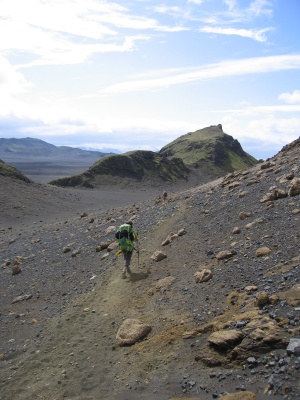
<point x="134" y="165"/>
<point x="8" y="170"/>
<point x="208" y="151"/>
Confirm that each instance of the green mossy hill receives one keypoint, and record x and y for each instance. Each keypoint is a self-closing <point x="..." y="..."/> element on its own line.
<point x="8" y="170"/>
<point x="211" y="150"/>
<point x="138" y="166"/>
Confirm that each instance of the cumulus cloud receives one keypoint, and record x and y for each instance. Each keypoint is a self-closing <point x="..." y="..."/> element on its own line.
<point x="290" y="98"/>
<point x="263" y="131"/>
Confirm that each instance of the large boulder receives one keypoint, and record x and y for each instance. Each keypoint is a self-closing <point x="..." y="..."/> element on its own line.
<point x="158" y="256"/>
<point x="225" y="338"/>
<point x="294" y="188"/>
<point x="131" y="331"/>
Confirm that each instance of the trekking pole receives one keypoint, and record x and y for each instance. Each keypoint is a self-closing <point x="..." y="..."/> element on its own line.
<point x="138" y="252"/>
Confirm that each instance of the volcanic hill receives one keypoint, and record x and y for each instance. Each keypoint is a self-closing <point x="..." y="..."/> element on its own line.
<point x="210" y="310"/>
<point x="191" y="159"/>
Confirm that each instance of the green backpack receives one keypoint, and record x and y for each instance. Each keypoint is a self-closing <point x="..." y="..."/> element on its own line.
<point x="125" y="237"/>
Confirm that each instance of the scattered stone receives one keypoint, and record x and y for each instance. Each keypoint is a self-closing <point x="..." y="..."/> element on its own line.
<point x="158" y="256"/>
<point x="203" y="276"/>
<point x="225" y="338"/>
<point x="242" y="194"/>
<point x="236" y="230"/>
<point x="76" y="253"/>
<point x="243" y="395"/>
<point x="66" y="249"/>
<point x="112" y="246"/>
<point x="102" y="246"/>
<point x="243" y="215"/>
<point x="273" y="299"/>
<point x="294" y="188"/>
<point x="104" y="256"/>
<point x="111" y="229"/>
<point x="251" y="288"/>
<point x="222" y="255"/>
<point x="262" y="298"/>
<point x="268" y="197"/>
<point x="131" y="331"/>
<point x="262" y="251"/>
<point x="16" y="269"/>
<point x="21" y="298"/>
<point x="164" y="283"/>
<point x="294" y="347"/>
<point x="281" y="194"/>
<point x="266" y="165"/>
<point x="169" y="239"/>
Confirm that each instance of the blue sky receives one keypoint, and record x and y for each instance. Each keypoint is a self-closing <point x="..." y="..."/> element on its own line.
<point x="138" y="74"/>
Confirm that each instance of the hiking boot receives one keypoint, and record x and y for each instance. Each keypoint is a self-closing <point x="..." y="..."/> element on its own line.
<point x="128" y="270"/>
<point x="123" y="274"/>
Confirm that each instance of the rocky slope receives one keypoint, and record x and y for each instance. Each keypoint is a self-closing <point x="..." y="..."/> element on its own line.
<point x="211" y="307"/>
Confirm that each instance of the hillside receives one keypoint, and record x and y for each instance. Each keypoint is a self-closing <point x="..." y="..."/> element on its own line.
<point x="145" y="167"/>
<point x="10" y="171"/>
<point x="211" y="150"/>
<point x="191" y="159"/>
<point x="218" y="312"/>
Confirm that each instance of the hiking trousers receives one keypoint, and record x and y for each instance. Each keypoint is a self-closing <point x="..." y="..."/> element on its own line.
<point x="127" y="257"/>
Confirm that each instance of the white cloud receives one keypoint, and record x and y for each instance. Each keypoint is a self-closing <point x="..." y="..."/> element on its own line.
<point x="231" y="4"/>
<point x="226" y="68"/>
<point x="12" y="83"/>
<point x="69" y="31"/>
<point x="256" y="34"/>
<point x="261" y="135"/>
<point x="195" y="1"/>
<point x="290" y="98"/>
<point x="237" y="12"/>
<point x="260" y="7"/>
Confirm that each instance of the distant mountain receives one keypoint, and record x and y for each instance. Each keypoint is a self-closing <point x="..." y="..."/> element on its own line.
<point x="105" y="150"/>
<point x="14" y="149"/>
<point x="42" y="162"/>
<point x="194" y="158"/>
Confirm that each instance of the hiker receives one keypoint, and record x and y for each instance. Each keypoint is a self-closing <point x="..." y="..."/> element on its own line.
<point x="126" y="237"/>
<point x="165" y="196"/>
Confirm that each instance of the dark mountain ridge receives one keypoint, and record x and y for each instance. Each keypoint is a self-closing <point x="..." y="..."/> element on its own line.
<point x="14" y="149"/>
<point x="41" y="161"/>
